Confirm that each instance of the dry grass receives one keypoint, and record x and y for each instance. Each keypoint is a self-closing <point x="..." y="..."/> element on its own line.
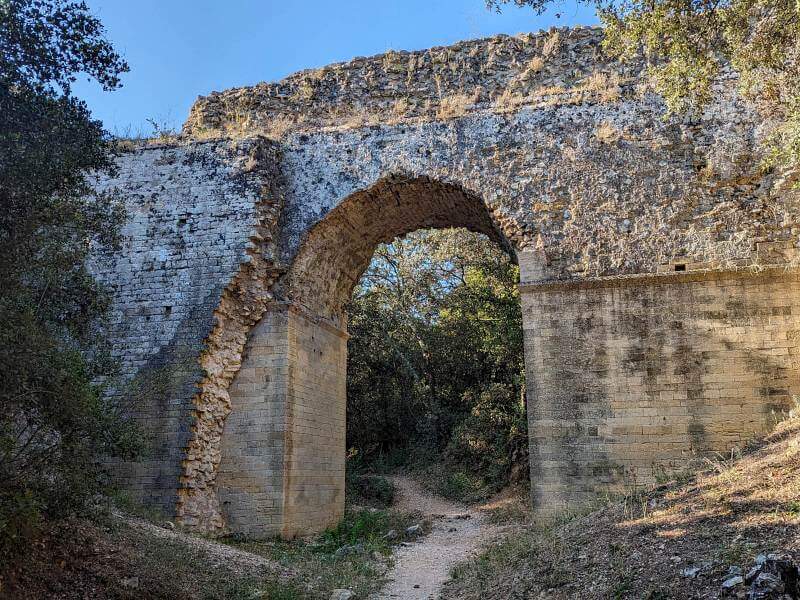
<point x="82" y="559"/>
<point x="636" y="547"/>
<point x="241" y="124"/>
<point x="361" y="118"/>
<point x="604" y="86"/>
<point x="606" y="133"/>
<point x="400" y="108"/>
<point x="524" y="78"/>
<point x="117" y="557"/>
<point x="551" y="44"/>
<point x="454" y="106"/>
<point x="279" y="126"/>
<point x="508" y="100"/>
<point x="535" y="65"/>
<point x="241" y="121"/>
<point x="548" y="90"/>
<point x="131" y="144"/>
<point x="124" y="145"/>
<point x="599" y="86"/>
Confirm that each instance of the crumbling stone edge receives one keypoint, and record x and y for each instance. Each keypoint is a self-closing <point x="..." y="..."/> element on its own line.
<point x="242" y="304"/>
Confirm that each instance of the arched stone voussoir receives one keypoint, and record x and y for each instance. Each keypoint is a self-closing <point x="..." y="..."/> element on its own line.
<point x="335" y="251"/>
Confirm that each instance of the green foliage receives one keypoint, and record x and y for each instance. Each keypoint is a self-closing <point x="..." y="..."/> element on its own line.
<point x="369" y="490"/>
<point x="688" y="42"/>
<point x="460" y="486"/>
<point x="45" y="43"/>
<point x="493" y="437"/>
<point x="366" y="528"/>
<point x="55" y="423"/>
<point x="527" y="560"/>
<point x="435" y="355"/>
<point x="318" y="566"/>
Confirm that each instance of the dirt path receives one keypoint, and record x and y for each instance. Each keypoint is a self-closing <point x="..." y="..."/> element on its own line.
<point x="421" y="568"/>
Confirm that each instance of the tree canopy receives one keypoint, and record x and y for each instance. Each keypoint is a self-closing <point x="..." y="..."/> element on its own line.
<point x="435" y="367"/>
<point x="55" y="419"/>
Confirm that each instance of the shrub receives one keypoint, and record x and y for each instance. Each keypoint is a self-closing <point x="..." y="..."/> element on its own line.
<point x="55" y="422"/>
<point x="370" y="490"/>
<point x="460" y="486"/>
<point x="367" y="528"/>
<point x="52" y="441"/>
<point x="492" y="439"/>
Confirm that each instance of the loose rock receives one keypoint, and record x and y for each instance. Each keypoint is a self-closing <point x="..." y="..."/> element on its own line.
<point x="732" y="582"/>
<point x="690" y="572"/>
<point x="773" y="577"/>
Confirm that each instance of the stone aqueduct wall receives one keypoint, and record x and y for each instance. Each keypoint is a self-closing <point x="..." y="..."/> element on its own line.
<point x="637" y="376"/>
<point x="660" y="316"/>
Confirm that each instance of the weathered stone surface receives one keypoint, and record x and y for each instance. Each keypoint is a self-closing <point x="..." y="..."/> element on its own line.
<point x="648" y="340"/>
<point x="632" y="378"/>
<point x="500" y="73"/>
<point x="195" y="216"/>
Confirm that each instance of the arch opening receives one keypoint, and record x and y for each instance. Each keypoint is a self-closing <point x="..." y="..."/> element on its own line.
<point x="283" y="451"/>
<point x="435" y="373"/>
<point x="614" y="393"/>
<point x="339" y="248"/>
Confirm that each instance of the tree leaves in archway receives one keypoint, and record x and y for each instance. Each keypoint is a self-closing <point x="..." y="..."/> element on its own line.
<point x="436" y="340"/>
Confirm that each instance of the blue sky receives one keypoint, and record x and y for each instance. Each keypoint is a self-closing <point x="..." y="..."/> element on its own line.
<point x="179" y="49"/>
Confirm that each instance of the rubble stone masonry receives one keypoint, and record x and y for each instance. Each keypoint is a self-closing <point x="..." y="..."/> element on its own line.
<point x="657" y="260"/>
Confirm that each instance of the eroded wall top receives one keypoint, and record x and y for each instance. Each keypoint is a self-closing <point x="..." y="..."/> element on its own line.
<point x="561" y="65"/>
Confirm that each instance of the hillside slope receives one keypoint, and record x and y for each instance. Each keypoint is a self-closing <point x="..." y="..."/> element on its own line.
<point x="680" y="540"/>
<point x="118" y="556"/>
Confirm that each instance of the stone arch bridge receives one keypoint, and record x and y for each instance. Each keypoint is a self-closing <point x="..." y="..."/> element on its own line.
<point x="660" y="309"/>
